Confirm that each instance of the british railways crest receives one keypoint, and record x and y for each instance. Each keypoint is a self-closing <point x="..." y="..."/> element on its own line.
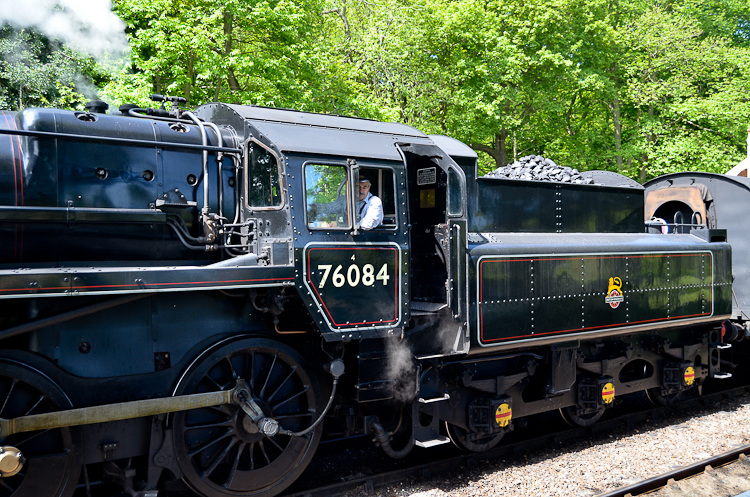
<point x="614" y="293"/>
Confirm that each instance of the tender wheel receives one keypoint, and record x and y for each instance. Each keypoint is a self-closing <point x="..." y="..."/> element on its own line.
<point x="219" y="449"/>
<point x="656" y="398"/>
<point x="468" y="441"/>
<point x="53" y="462"/>
<point x="573" y="419"/>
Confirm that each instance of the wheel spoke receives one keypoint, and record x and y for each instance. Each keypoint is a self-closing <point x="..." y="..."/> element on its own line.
<point x="227" y="423"/>
<point x="209" y="444"/>
<point x="268" y="376"/>
<point x="301" y="392"/>
<point x="32" y="437"/>
<point x="252" y="456"/>
<point x="281" y="449"/>
<point x="208" y="377"/>
<point x="5" y="485"/>
<point x="39" y="401"/>
<point x="10" y="392"/>
<point x="230" y="478"/>
<point x="231" y="368"/>
<point x="263" y="450"/>
<point x="294" y="369"/>
<point x="218" y="458"/>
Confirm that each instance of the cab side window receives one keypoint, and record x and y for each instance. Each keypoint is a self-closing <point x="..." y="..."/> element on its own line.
<point x="263" y="177"/>
<point x="384" y="187"/>
<point x="327" y="196"/>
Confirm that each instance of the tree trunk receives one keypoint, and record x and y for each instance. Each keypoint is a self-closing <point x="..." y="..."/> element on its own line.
<point x="498" y="150"/>
<point x="650" y="139"/>
<point x="234" y="85"/>
<point x="618" y="132"/>
<point x="190" y="76"/>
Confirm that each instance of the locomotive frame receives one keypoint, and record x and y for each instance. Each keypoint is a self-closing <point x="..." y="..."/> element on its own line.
<point x="168" y="322"/>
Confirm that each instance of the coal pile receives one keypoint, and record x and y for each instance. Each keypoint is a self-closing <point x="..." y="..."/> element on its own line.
<point x="537" y="168"/>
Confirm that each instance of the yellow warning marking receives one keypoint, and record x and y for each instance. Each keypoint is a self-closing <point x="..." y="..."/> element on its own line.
<point x="608" y="393"/>
<point x="689" y="376"/>
<point x="503" y="414"/>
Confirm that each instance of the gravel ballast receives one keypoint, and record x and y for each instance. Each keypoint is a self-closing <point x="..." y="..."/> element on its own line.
<point x="593" y="466"/>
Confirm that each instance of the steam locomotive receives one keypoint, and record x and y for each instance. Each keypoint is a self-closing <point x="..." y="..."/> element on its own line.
<point x="188" y="300"/>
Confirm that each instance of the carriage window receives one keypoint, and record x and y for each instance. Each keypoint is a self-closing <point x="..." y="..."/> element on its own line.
<point x="263" y="178"/>
<point x="327" y="192"/>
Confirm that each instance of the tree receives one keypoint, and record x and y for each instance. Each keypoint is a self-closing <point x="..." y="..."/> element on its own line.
<point x="36" y="71"/>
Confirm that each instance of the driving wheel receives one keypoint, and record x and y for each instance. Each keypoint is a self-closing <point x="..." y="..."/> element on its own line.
<point x="472" y="442"/>
<point x="220" y="449"/>
<point x="52" y="460"/>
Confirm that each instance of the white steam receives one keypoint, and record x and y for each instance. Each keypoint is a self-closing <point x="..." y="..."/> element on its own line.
<point x="87" y="26"/>
<point x="400" y="367"/>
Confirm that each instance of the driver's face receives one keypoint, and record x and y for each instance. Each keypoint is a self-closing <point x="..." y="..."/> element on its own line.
<point x="364" y="189"/>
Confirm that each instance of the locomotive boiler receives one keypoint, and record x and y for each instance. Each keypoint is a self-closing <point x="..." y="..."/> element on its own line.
<point x="188" y="299"/>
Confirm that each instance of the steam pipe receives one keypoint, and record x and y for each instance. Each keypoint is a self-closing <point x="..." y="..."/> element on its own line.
<point x="138" y="112"/>
<point x="383" y="439"/>
<point x="182" y="239"/>
<point x="204" y="141"/>
<point x="336" y="368"/>
<point x="320" y="418"/>
<point x="219" y="160"/>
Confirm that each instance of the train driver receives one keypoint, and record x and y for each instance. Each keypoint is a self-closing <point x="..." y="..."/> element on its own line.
<point x="369" y="208"/>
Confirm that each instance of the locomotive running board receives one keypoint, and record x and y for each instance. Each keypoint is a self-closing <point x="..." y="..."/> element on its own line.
<point x="80" y="281"/>
<point x="114" y="412"/>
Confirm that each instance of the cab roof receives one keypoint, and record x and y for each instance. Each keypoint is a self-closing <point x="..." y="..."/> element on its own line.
<point x="307" y="132"/>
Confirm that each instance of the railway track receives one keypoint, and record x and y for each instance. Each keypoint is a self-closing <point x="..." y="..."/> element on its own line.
<point x="732" y="465"/>
<point x="369" y="471"/>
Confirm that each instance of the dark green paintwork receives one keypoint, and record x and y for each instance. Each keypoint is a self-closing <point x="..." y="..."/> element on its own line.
<point x="522" y="297"/>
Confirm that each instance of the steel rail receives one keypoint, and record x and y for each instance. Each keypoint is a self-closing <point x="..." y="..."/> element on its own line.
<point x="681" y="473"/>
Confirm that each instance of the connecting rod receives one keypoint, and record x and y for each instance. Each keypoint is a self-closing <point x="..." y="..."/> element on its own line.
<point x="116" y="412"/>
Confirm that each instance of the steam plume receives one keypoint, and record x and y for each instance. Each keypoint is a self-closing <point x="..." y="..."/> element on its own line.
<point x="87" y="26"/>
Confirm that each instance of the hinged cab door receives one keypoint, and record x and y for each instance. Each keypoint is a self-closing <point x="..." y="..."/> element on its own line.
<point x="437" y="214"/>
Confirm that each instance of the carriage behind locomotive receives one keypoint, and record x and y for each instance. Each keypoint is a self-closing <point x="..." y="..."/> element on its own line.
<point x="197" y="285"/>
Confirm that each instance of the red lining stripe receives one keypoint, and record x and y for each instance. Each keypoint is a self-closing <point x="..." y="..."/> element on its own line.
<point x="567" y="258"/>
<point x="145" y="285"/>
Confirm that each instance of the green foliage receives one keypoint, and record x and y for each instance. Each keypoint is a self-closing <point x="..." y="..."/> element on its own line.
<point x="642" y="88"/>
<point x="38" y="72"/>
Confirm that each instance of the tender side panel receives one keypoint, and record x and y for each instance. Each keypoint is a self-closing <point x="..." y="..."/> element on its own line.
<point x="522" y="297"/>
<point x="355" y="286"/>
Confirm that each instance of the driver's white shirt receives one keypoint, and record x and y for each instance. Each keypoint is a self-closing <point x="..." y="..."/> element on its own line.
<point x="370" y="212"/>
